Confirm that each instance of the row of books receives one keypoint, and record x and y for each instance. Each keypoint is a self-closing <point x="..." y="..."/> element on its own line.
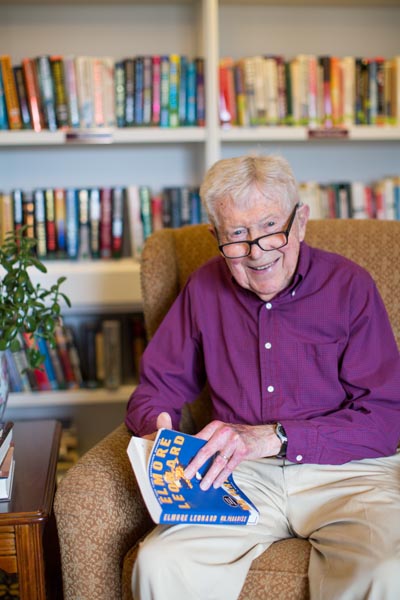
<point x="88" y="358"/>
<point x="315" y="91"/>
<point x="353" y="200"/>
<point x="92" y="223"/>
<point x="59" y="92"/>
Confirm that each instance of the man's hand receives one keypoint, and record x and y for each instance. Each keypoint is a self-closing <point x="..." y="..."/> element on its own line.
<point x="163" y="420"/>
<point x="231" y="444"/>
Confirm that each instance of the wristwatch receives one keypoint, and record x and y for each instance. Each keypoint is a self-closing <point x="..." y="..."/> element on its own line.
<point x="281" y="433"/>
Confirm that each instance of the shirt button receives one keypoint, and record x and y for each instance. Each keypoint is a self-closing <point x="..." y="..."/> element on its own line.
<point x="270" y="388"/>
<point x="268" y="345"/>
<point x="299" y="457"/>
<point x="294" y="293"/>
<point x="268" y="306"/>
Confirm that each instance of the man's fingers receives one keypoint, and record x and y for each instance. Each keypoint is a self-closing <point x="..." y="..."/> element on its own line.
<point x="164" y="421"/>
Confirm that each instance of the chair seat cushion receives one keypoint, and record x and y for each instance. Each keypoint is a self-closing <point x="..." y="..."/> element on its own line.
<point x="280" y="573"/>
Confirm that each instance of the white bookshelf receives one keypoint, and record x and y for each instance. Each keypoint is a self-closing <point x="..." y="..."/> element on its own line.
<point x="156" y="157"/>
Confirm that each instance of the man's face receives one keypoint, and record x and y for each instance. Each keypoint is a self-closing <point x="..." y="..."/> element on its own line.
<point x="264" y="273"/>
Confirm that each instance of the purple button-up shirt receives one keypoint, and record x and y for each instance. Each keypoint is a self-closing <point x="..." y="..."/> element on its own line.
<point x="320" y="358"/>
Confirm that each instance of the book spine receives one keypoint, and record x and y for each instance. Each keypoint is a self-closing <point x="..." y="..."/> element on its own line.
<point x="60" y="96"/>
<point x="191" y="94"/>
<point x="60" y="213"/>
<point x="72" y="223"/>
<point x="134" y="221"/>
<point x="18" y="215"/>
<point x="117" y="217"/>
<point x="32" y="92"/>
<point x="41" y="376"/>
<point x="47" y="363"/>
<point x="108" y="90"/>
<point x="174" y="69"/>
<point x="28" y="213"/>
<point x="3" y="105"/>
<point x="139" y="82"/>
<point x="145" y="209"/>
<point x="200" y="93"/>
<point x="22" y="98"/>
<point x="6" y="214"/>
<point x="164" y="91"/>
<point x="84" y="84"/>
<point x="62" y="348"/>
<point x="147" y="89"/>
<point x="47" y="91"/>
<point x="51" y="238"/>
<point x="97" y="91"/>
<point x="119" y="77"/>
<point x="129" y="67"/>
<point x="156" y="90"/>
<point x="183" y="90"/>
<point x="84" y="226"/>
<point x="105" y="222"/>
<point x="40" y="223"/>
<point x="94" y="212"/>
<point x="10" y="92"/>
<point x="71" y="91"/>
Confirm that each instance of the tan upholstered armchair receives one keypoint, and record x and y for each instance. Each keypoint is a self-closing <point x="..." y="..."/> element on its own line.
<point x="99" y="511"/>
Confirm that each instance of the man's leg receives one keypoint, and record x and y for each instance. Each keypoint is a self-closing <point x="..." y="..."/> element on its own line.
<point x="188" y="562"/>
<point x="352" y="518"/>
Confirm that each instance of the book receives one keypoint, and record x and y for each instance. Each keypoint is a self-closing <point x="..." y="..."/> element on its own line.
<point x="22" y="97"/>
<point x="33" y="93"/>
<point x="5" y="466"/>
<point x="7" y="482"/>
<point x="47" y="95"/>
<point x="6" y="438"/>
<point x="111" y="329"/>
<point x="170" y="498"/>
<point x="10" y="93"/>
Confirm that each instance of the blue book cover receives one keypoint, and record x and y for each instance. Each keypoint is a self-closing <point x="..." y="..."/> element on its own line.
<point x="170" y="498"/>
<point x="72" y="223"/>
<point x="139" y="90"/>
<point x="3" y="107"/>
<point x="47" y="362"/>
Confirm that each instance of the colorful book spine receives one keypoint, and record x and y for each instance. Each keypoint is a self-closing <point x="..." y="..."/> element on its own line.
<point x="119" y="76"/>
<point x="22" y="98"/>
<point x="174" y="74"/>
<point x="3" y="106"/>
<point x="200" y="93"/>
<point x="139" y="83"/>
<point x="105" y="222"/>
<point x="72" y="223"/>
<point x="156" y="90"/>
<point x="33" y="93"/>
<point x="60" y="96"/>
<point x="94" y="213"/>
<point x="47" y="91"/>
<point x="129" y="67"/>
<point x="71" y="91"/>
<point x="117" y="217"/>
<point x="51" y="238"/>
<point x="10" y="92"/>
<point x="40" y="223"/>
<point x="164" y="91"/>
<point x="60" y="213"/>
<point x="147" y="89"/>
<point x="84" y="224"/>
<point x="145" y="209"/>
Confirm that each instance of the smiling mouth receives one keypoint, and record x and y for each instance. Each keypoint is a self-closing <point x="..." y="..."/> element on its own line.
<point x="264" y="267"/>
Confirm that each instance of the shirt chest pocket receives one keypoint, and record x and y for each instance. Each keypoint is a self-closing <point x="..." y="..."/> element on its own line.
<point x="318" y="375"/>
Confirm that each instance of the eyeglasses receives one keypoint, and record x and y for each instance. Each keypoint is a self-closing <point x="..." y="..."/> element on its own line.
<point x="271" y="241"/>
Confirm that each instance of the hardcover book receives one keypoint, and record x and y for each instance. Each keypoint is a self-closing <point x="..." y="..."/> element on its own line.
<point x="170" y="497"/>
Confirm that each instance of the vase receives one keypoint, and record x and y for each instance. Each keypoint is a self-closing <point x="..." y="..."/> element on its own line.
<point x="4" y="384"/>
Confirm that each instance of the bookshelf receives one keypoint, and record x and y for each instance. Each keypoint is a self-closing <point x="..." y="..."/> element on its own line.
<point x="155" y="157"/>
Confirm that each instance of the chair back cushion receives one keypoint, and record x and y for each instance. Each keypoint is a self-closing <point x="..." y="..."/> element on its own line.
<point x="170" y="255"/>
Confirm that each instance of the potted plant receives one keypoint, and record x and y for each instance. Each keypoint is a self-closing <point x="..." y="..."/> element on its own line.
<point x="25" y="308"/>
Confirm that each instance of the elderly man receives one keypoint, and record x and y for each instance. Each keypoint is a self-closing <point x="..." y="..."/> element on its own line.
<point x="304" y="377"/>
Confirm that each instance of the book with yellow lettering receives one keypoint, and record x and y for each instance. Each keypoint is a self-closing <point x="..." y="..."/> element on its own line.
<point x="171" y="498"/>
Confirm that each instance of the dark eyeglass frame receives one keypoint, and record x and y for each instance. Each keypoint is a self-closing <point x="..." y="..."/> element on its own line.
<point x="250" y="243"/>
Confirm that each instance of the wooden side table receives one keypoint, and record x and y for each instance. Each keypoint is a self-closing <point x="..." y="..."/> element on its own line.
<point x="26" y="519"/>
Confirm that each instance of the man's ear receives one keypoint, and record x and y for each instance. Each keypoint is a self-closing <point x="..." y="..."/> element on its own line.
<point x="303" y="216"/>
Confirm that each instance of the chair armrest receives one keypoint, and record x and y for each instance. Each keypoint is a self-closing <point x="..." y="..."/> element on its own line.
<point x="100" y="515"/>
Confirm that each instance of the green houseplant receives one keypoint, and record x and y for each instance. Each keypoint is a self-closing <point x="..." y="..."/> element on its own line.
<point x="25" y="308"/>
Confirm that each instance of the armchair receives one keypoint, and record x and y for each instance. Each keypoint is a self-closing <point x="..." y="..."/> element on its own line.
<point x="99" y="511"/>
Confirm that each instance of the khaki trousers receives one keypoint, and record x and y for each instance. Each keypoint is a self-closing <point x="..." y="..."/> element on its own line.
<point x="350" y="513"/>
